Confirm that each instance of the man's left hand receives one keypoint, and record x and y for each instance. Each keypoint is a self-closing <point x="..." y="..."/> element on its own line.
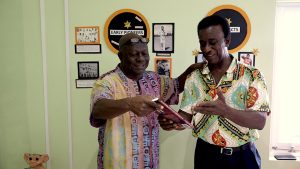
<point x="168" y="125"/>
<point x="217" y="107"/>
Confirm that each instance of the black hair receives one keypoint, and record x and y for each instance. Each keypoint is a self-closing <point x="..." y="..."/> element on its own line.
<point x="214" y="20"/>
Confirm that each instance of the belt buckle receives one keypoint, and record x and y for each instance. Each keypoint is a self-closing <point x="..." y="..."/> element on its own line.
<point x="226" y="152"/>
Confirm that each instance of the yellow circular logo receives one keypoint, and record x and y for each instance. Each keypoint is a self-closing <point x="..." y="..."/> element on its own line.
<point x="122" y="22"/>
<point x="240" y="27"/>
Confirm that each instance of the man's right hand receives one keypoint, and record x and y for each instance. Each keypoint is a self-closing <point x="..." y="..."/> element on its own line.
<point x="143" y="105"/>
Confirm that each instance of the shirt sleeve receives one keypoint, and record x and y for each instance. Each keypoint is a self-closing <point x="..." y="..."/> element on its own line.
<point x="102" y="89"/>
<point x="191" y="94"/>
<point x="169" y="91"/>
<point x="257" y="97"/>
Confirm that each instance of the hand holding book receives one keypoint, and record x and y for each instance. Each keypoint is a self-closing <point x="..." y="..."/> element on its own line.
<point x="170" y="114"/>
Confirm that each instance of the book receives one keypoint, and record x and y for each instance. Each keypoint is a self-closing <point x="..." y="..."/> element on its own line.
<point x="169" y="113"/>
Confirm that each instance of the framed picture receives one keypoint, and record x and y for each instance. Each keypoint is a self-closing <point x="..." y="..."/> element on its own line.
<point x="88" y="70"/>
<point x="84" y="83"/>
<point x="163" y="37"/>
<point x="163" y="66"/>
<point x="87" y="48"/>
<point x="87" y="35"/>
<point x="247" y="58"/>
<point x="199" y="58"/>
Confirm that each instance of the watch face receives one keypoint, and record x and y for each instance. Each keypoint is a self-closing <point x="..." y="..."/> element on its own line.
<point x="239" y="23"/>
<point x="122" y="22"/>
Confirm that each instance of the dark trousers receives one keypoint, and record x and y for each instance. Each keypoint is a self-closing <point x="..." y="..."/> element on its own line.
<point x="208" y="156"/>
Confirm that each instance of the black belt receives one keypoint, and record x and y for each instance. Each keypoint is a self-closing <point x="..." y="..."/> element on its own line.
<point x="224" y="150"/>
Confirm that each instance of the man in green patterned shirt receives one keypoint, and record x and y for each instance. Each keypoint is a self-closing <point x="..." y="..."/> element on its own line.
<point x="227" y="101"/>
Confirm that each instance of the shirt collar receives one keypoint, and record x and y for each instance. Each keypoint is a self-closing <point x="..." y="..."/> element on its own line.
<point x="231" y="68"/>
<point x="232" y="65"/>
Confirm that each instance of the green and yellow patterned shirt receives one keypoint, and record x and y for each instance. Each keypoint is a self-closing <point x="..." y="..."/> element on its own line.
<point x="243" y="87"/>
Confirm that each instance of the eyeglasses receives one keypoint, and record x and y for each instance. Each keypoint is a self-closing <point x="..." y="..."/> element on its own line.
<point x="136" y="40"/>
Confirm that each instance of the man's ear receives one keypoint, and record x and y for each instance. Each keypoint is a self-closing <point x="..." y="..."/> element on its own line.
<point x="26" y="155"/>
<point x="45" y="157"/>
<point x="120" y="55"/>
<point x="227" y="41"/>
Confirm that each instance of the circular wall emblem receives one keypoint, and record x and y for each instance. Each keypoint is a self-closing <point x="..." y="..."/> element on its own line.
<point x="239" y="23"/>
<point x="121" y="22"/>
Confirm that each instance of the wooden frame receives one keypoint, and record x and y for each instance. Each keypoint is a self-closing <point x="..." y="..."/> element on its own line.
<point x="163" y="37"/>
<point x="163" y="66"/>
<point x="87" y="35"/>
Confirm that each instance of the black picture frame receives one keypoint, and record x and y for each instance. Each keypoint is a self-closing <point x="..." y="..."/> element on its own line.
<point x="88" y="70"/>
<point x="247" y="58"/>
<point x="87" y="48"/>
<point x="84" y="83"/>
<point x="199" y="58"/>
<point x="163" y="37"/>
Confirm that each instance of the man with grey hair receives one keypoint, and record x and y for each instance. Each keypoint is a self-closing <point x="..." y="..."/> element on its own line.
<point x="123" y="110"/>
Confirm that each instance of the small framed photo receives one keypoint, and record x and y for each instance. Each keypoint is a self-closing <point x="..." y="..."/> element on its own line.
<point x="87" y="35"/>
<point x="84" y="83"/>
<point x="87" y="48"/>
<point x="199" y="58"/>
<point x="88" y="70"/>
<point x="248" y="58"/>
<point x="163" y="66"/>
<point x="163" y="37"/>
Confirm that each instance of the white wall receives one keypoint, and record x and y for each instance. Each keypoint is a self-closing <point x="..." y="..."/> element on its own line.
<point x="27" y="92"/>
